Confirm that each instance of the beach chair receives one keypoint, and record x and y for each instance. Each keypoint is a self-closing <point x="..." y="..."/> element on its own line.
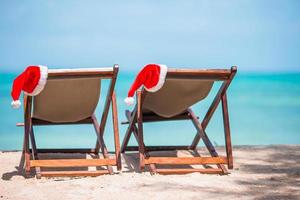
<point x="182" y="89"/>
<point x="70" y="97"/>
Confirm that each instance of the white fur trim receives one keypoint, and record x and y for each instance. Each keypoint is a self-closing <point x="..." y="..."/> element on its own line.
<point x="161" y="81"/>
<point x="42" y="82"/>
<point x="129" y="101"/>
<point x="16" y="104"/>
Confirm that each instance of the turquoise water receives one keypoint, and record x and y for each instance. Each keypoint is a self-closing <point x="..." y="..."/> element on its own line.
<point x="264" y="109"/>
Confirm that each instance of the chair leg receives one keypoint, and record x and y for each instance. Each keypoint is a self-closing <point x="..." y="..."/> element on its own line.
<point x="227" y="131"/>
<point x="34" y="152"/>
<point x="145" y="156"/>
<point x="131" y="118"/>
<point x="101" y="142"/>
<point x="26" y="150"/>
<point x="135" y="133"/>
<point x="140" y="130"/>
<point x="116" y="131"/>
<point x="197" y="137"/>
<point x="97" y="148"/>
<point x="196" y="141"/>
<point x="27" y="130"/>
<point x="22" y="160"/>
<point x="211" y="110"/>
<point x="206" y="140"/>
<point x="33" y="143"/>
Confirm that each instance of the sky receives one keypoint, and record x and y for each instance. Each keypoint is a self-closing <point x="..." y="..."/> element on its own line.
<point x="255" y="35"/>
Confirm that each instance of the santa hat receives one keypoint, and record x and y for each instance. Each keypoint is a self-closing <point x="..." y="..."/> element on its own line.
<point x="31" y="81"/>
<point x="152" y="76"/>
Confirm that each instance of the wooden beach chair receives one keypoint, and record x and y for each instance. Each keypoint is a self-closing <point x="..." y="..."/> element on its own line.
<point x="182" y="89"/>
<point x="70" y="97"/>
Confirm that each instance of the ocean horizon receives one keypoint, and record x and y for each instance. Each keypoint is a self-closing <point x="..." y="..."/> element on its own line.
<point x="264" y="109"/>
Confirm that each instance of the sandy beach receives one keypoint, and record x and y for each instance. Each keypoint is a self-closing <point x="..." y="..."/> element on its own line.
<point x="260" y="172"/>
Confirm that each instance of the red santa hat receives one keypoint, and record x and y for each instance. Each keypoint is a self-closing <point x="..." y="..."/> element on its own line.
<point x="31" y="81"/>
<point x="152" y="77"/>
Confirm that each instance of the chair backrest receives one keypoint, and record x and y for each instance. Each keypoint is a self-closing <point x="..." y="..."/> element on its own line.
<point x="176" y="96"/>
<point x="70" y="95"/>
<point x="182" y="89"/>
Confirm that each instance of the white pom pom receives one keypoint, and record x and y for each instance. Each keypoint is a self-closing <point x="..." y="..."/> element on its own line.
<point x="16" y="104"/>
<point x="129" y="101"/>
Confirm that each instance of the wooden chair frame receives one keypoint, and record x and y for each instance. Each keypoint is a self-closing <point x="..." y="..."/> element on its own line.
<point x="32" y="154"/>
<point x="137" y="117"/>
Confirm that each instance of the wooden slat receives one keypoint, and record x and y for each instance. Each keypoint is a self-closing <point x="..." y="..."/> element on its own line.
<point x="185" y="160"/>
<point x="72" y="162"/>
<point x="80" y="70"/>
<point x="39" y="122"/>
<point x="158" y="148"/>
<point x="80" y="73"/>
<point x="82" y="150"/>
<point x="73" y="173"/>
<point x="214" y="74"/>
<point x="154" y="118"/>
<point x="100" y="76"/>
<point x="190" y="170"/>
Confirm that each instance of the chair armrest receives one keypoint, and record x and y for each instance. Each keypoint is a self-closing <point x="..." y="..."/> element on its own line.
<point x="20" y="124"/>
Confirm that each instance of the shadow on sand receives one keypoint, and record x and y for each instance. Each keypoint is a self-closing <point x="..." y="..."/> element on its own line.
<point x="279" y="167"/>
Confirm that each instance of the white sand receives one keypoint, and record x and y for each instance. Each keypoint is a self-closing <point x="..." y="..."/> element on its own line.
<point x="270" y="172"/>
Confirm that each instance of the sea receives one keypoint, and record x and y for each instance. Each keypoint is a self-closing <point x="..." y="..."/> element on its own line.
<point x="264" y="109"/>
